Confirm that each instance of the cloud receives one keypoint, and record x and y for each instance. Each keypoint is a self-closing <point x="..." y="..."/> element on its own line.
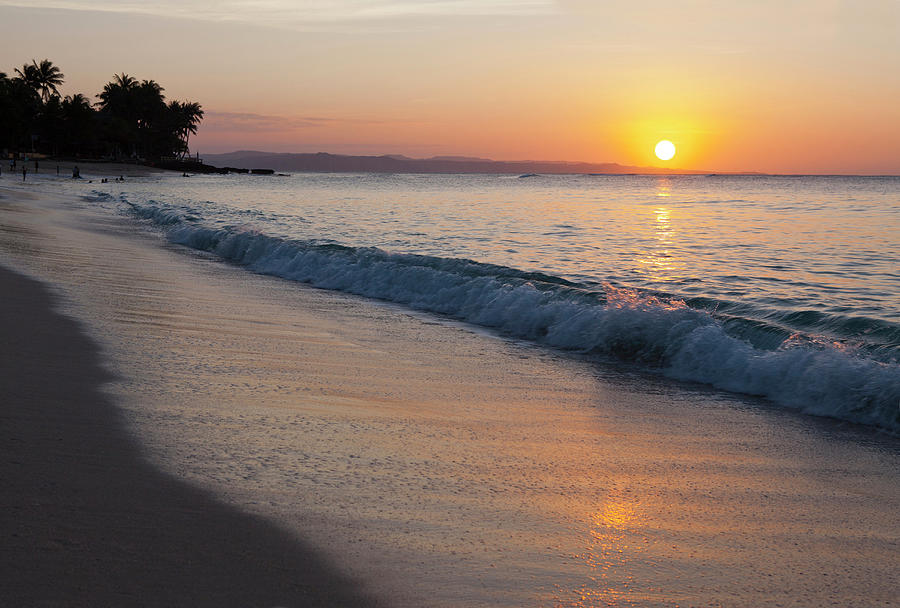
<point x="245" y="122"/>
<point x="298" y="15"/>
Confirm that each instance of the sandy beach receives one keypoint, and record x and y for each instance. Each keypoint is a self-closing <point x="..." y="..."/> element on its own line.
<point x="88" y="170"/>
<point x="179" y="431"/>
<point x="87" y="522"/>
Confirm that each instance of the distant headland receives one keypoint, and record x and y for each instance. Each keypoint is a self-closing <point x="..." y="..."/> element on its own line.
<point x="338" y="163"/>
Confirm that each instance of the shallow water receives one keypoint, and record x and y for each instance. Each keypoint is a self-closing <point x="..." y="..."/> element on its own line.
<point x="785" y="287"/>
<point x="826" y="244"/>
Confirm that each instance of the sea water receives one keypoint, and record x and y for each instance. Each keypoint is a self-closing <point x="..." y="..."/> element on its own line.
<point x="781" y="287"/>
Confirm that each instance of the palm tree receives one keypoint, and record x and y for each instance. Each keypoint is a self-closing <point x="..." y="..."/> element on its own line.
<point x="131" y="117"/>
<point x="186" y="117"/>
<point x="118" y="105"/>
<point x="151" y="104"/>
<point x="43" y="77"/>
<point x="116" y="96"/>
<point x="20" y="107"/>
<point x="80" y="125"/>
<point x="77" y="101"/>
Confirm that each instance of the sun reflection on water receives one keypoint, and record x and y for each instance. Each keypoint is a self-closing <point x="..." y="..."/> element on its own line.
<point x="660" y="262"/>
<point x="612" y="543"/>
<point x="664" y="187"/>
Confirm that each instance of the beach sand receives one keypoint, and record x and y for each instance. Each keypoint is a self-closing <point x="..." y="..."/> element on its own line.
<point x="87" y="522"/>
<point x="89" y="170"/>
<point x="429" y="464"/>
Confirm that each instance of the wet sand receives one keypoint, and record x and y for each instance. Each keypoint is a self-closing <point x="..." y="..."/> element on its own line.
<point x="87" y="522"/>
<point x="443" y="467"/>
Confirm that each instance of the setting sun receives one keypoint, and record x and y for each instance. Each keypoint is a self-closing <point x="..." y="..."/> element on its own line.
<point x="665" y="150"/>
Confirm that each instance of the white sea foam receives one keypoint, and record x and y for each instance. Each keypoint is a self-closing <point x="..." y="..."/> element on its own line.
<point x="816" y="377"/>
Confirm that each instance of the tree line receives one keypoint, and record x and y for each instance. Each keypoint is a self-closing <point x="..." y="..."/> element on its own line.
<point x="130" y="119"/>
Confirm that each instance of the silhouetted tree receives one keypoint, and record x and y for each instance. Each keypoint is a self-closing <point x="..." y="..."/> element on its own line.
<point x="19" y="109"/>
<point x="43" y="77"/>
<point x="156" y="133"/>
<point x="140" y="122"/>
<point x="132" y="119"/>
<point x="50" y="128"/>
<point x="187" y="116"/>
<point x="117" y="104"/>
<point x="81" y="126"/>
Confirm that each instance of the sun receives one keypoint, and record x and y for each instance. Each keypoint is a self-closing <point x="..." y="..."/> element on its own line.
<point x="665" y="150"/>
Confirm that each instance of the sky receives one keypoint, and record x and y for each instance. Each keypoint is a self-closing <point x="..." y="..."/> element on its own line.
<point x="787" y="86"/>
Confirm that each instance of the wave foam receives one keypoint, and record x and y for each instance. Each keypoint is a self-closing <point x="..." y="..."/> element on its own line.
<point x="685" y="343"/>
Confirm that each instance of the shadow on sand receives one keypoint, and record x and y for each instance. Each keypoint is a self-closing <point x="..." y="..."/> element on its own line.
<point x="86" y="522"/>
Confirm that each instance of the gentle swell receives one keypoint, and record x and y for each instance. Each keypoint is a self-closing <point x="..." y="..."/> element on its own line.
<point x="815" y="376"/>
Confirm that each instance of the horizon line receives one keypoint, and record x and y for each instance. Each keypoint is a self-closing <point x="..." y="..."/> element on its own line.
<point x="651" y="169"/>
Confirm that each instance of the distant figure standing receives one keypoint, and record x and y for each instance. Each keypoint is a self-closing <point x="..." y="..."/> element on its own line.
<point x="76" y="173"/>
<point x="24" y="172"/>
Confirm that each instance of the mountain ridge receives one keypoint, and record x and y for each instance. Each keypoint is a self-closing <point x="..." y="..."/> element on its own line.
<point x="393" y="163"/>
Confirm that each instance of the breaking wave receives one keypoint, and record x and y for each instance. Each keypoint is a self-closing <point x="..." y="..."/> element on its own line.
<point x="805" y="372"/>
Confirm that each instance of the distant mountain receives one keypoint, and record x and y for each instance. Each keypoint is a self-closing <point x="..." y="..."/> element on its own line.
<point x="338" y="163"/>
<point x="474" y="159"/>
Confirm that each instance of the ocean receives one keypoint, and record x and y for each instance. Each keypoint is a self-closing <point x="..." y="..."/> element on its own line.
<point x="782" y="287"/>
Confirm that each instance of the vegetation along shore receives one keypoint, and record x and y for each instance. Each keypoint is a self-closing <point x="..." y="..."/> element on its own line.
<point x="130" y="121"/>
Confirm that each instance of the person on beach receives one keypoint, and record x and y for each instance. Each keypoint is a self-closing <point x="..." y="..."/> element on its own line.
<point x="24" y="172"/>
<point x="76" y="173"/>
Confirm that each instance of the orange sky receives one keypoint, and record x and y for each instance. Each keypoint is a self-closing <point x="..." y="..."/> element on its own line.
<point x="802" y="86"/>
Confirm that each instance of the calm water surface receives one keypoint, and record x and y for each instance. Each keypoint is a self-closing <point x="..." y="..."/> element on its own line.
<point x="827" y="244"/>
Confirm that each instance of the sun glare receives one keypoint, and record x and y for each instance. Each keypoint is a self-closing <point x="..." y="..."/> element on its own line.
<point x="665" y="150"/>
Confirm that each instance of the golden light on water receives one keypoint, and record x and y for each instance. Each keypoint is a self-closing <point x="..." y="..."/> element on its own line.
<point x="665" y="150"/>
<point x="660" y="261"/>
<point x="664" y="189"/>
<point x="613" y="541"/>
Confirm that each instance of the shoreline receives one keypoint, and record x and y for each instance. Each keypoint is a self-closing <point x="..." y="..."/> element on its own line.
<point x="136" y="169"/>
<point x="441" y="467"/>
<point x="87" y="522"/>
<point x="89" y="169"/>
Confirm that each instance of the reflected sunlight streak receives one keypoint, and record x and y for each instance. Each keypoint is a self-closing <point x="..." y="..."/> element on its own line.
<point x="659" y="263"/>
<point x="611" y="546"/>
